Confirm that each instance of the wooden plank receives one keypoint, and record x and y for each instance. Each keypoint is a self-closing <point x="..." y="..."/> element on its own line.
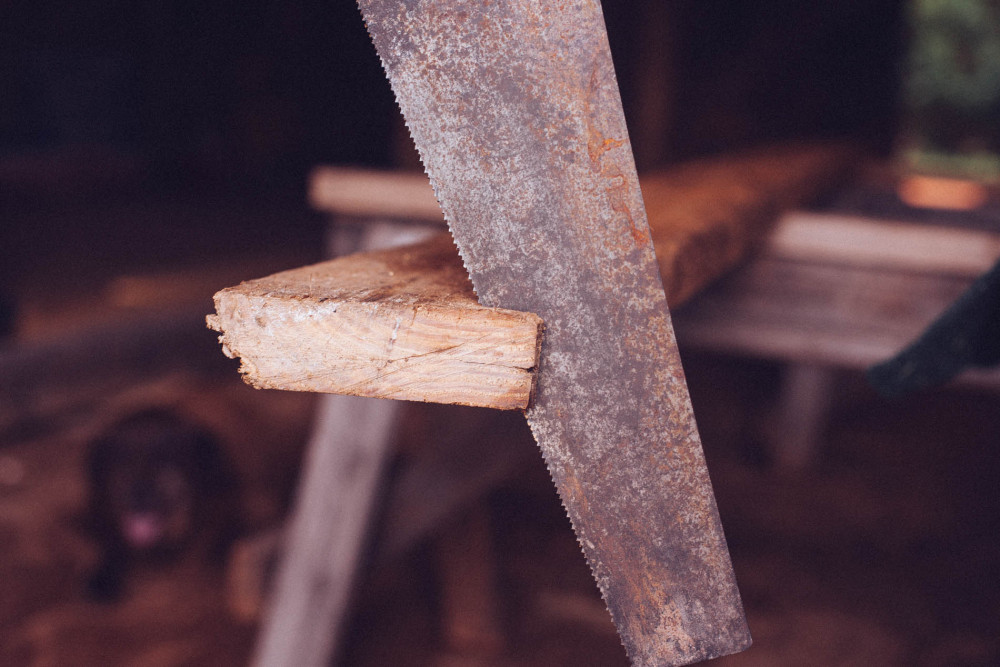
<point x="825" y="289"/>
<point x="839" y="290"/>
<point x="704" y="215"/>
<point x="370" y="193"/>
<point x="815" y="313"/>
<point x="825" y="238"/>
<point x="818" y="313"/>
<point x="707" y="215"/>
<point x="405" y="323"/>
<point x="400" y="323"/>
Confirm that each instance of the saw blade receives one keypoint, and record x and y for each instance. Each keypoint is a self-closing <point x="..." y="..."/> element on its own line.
<point x="515" y="111"/>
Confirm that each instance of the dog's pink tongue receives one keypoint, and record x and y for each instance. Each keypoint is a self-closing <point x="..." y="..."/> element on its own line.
<point x="142" y="530"/>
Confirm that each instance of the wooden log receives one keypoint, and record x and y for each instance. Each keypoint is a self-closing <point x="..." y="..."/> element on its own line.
<point x="400" y="323"/>
<point x="707" y="215"/>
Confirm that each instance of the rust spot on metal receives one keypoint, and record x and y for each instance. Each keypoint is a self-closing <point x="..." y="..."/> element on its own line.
<point x="598" y="146"/>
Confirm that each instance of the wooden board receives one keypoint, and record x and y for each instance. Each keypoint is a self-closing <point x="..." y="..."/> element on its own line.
<point x="886" y="245"/>
<point x="825" y="289"/>
<point x="704" y="215"/>
<point x="370" y="193"/>
<point x="707" y="215"/>
<point x="838" y="290"/>
<point x="400" y="323"/>
<point x="405" y="323"/>
<point x="836" y="314"/>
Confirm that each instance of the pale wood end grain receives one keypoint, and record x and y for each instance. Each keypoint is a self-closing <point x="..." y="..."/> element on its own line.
<point x="400" y="323"/>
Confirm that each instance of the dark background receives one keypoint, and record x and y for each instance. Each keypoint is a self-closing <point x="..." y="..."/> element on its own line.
<point x="251" y="94"/>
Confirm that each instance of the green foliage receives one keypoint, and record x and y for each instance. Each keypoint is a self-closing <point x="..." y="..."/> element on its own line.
<point x="955" y="56"/>
<point x="953" y="83"/>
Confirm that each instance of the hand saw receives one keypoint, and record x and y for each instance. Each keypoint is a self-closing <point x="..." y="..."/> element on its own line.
<point x="515" y="111"/>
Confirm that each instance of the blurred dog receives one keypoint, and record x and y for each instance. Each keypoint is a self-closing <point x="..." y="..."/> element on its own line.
<point x="159" y="486"/>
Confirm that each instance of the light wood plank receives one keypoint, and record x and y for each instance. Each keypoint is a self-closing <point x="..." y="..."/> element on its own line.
<point x="825" y="238"/>
<point x="371" y="193"/>
<point x="400" y="323"/>
<point x="405" y="323"/>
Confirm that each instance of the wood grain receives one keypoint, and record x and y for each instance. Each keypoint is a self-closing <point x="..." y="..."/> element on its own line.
<point x="707" y="215"/>
<point x="400" y="323"/>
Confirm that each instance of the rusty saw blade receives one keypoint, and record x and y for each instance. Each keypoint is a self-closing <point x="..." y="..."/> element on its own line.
<point x="514" y="108"/>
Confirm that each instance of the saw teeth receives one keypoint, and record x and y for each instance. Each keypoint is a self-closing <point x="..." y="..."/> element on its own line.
<point x="420" y="154"/>
<point x="447" y="218"/>
<point x="579" y="541"/>
<point x="461" y="253"/>
<point x="430" y="177"/>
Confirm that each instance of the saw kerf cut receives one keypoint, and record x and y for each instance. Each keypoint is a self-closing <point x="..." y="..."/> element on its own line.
<point x="514" y="108"/>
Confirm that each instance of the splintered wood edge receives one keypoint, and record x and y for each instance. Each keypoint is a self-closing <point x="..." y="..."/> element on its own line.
<point x="401" y="324"/>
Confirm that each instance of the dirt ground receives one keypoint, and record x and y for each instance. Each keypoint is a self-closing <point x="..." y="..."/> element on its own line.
<point x="884" y="553"/>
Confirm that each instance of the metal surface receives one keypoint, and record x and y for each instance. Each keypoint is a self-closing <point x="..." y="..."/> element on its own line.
<point x="515" y="110"/>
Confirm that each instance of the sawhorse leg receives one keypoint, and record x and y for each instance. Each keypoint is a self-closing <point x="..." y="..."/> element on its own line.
<point x="342" y="473"/>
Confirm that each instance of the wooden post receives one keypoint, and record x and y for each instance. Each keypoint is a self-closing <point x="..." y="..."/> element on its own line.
<point x="803" y="408"/>
<point x="342" y="472"/>
<point x="469" y="604"/>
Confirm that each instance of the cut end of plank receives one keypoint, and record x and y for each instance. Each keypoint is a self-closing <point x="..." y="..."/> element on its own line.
<point x="401" y="324"/>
